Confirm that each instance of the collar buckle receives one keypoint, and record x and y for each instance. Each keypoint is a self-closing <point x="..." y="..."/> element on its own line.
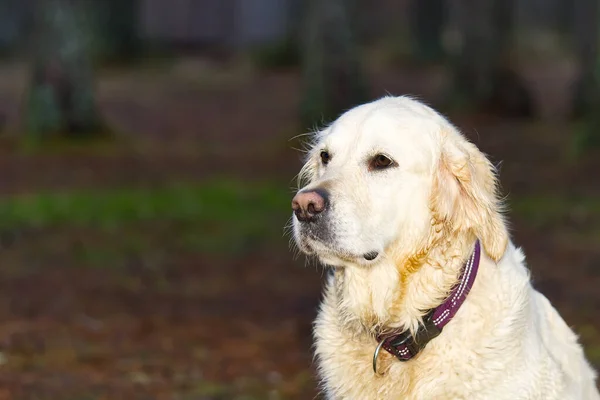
<point x="424" y="334"/>
<point x="398" y="345"/>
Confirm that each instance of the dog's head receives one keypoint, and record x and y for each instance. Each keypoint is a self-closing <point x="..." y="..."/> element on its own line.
<point x="386" y="175"/>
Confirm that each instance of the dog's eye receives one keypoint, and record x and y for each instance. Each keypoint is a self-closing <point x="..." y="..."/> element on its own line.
<point x="380" y="161"/>
<point x="325" y="157"/>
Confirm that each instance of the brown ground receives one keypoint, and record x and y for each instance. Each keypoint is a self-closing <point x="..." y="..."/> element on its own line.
<point x="235" y="326"/>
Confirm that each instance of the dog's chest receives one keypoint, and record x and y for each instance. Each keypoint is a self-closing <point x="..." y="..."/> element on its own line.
<point x="446" y="369"/>
<point x="345" y="367"/>
<point x="347" y="373"/>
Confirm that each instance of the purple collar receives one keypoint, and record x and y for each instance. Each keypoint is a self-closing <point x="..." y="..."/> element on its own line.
<point x="404" y="345"/>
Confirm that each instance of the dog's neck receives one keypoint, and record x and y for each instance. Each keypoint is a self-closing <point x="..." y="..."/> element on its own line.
<point x="394" y="294"/>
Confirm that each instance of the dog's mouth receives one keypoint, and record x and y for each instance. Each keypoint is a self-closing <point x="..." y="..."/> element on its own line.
<point x="318" y="240"/>
<point x="333" y="255"/>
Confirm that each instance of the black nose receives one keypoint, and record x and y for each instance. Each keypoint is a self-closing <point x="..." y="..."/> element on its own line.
<point x="308" y="205"/>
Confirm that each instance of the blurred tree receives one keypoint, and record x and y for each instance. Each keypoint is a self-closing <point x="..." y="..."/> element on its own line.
<point x="117" y="26"/>
<point x="483" y="76"/>
<point x="585" y="37"/>
<point x="587" y="89"/>
<point x="286" y="52"/>
<point x="333" y="80"/>
<point x="427" y="21"/>
<point x="565" y="17"/>
<point x="61" y="95"/>
<point x="11" y="13"/>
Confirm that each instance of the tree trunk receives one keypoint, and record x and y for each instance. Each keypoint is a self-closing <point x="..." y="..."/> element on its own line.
<point x="565" y="17"/>
<point x="587" y="89"/>
<point x="61" y="97"/>
<point x="585" y="35"/>
<point x="427" y="25"/>
<point x="485" y="42"/>
<point x="332" y="75"/>
<point x="118" y="29"/>
<point x="483" y="76"/>
<point x="11" y="18"/>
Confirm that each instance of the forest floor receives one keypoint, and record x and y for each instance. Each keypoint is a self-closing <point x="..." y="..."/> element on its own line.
<point x="154" y="266"/>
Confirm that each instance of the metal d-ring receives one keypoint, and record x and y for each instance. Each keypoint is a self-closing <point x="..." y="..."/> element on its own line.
<point x="375" y="356"/>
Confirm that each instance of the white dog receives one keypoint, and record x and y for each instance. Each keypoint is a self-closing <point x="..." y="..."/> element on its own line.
<point x="429" y="298"/>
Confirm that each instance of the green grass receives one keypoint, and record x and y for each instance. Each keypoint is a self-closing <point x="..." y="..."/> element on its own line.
<point x="101" y="226"/>
<point x="554" y="208"/>
<point x="570" y="220"/>
<point x="217" y="200"/>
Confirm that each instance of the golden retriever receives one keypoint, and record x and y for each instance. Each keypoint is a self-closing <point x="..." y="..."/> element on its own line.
<point x="429" y="298"/>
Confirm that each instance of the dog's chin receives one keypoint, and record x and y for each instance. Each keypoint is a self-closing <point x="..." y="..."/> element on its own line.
<point x="330" y="254"/>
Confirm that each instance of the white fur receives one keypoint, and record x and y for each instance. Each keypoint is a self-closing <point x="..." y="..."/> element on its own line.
<point x="423" y="216"/>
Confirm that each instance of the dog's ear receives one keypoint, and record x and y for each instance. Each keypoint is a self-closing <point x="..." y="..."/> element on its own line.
<point x="465" y="194"/>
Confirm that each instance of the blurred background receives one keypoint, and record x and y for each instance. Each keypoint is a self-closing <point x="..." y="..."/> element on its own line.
<point x="148" y="155"/>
